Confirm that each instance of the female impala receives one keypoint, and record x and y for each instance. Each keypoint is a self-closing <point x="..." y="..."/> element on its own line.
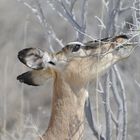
<point x="71" y="69"/>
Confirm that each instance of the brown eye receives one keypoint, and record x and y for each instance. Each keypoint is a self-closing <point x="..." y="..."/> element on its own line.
<point x="76" y="47"/>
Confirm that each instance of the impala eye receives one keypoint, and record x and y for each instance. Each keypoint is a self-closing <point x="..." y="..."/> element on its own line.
<point x="119" y="47"/>
<point x="76" y="47"/>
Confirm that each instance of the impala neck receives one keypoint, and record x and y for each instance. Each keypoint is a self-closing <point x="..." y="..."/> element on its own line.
<point x="67" y="116"/>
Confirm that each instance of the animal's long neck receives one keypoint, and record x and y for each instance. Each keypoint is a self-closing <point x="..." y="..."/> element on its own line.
<point x="67" y="117"/>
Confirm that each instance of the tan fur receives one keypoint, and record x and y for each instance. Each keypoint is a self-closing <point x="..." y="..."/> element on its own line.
<point x="71" y="73"/>
<point x="70" y="94"/>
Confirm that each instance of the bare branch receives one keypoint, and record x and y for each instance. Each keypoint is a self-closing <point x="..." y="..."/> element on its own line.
<point x="137" y="83"/>
<point x="72" y="5"/>
<point x="107" y="107"/>
<point x="83" y="19"/>
<point x="38" y="12"/>
<point x="124" y="133"/>
<point x="113" y="117"/>
<point x="48" y="29"/>
<point x="112" y="14"/>
<point x="102" y="25"/>
<point x="136" y="16"/>
<point x="92" y="123"/>
<point x="119" y="103"/>
<point x="125" y="9"/>
<point x="69" y="16"/>
<point x="34" y="11"/>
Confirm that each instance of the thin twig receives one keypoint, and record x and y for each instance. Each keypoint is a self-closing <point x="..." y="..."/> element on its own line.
<point x="83" y="20"/>
<point x="113" y="117"/>
<point x="69" y="16"/>
<point x="38" y="12"/>
<point x="137" y="83"/>
<point x="48" y="28"/>
<point x="72" y="5"/>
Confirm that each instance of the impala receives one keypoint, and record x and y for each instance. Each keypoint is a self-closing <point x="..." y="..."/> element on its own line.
<point x="72" y="68"/>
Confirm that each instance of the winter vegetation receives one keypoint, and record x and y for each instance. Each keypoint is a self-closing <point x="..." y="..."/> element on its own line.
<point x="112" y="110"/>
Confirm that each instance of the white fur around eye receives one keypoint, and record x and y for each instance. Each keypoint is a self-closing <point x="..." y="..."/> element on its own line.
<point x="75" y="43"/>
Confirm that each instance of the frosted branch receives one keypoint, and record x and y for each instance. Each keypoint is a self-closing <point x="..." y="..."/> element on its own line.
<point x="112" y="14"/>
<point x="92" y="122"/>
<point x="124" y="103"/>
<point x="38" y="12"/>
<point x="107" y="107"/>
<point x="102" y="25"/>
<point x="69" y="16"/>
<point x="72" y="5"/>
<point x="119" y="104"/>
<point x="137" y="83"/>
<point x="83" y="19"/>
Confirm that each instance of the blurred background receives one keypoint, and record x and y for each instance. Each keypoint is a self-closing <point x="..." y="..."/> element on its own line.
<point x="25" y="110"/>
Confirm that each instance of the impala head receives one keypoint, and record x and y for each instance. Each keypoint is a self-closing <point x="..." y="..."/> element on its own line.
<point x="76" y="60"/>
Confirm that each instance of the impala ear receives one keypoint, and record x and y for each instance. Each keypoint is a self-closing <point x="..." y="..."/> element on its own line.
<point x="35" y="77"/>
<point x="34" y="58"/>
